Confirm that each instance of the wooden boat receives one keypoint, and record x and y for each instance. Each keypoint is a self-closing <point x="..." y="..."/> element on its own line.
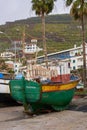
<point x="36" y="96"/>
<point x="4" y="86"/>
<point x="4" y="82"/>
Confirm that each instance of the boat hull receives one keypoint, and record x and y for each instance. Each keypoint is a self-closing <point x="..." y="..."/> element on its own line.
<point x="4" y="83"/>
<point x="4" y="86"/>
<point x="35" y="96"/>
<point x="53" y="100"/>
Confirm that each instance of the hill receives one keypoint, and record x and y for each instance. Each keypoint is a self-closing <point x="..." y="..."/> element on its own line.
<point x="62" y="32"/>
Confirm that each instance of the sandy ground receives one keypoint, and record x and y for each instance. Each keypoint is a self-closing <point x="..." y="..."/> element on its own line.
<point x="74" y="118"/>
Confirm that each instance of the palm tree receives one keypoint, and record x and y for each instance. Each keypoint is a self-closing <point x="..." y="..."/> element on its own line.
<point x="79" y="11"/>
<point x="42" y="8"/>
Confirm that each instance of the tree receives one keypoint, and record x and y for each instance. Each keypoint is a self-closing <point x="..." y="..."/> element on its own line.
<point x="79" y="11"/>
<point x="42" y="8"/>
<point x="3" y="66"/>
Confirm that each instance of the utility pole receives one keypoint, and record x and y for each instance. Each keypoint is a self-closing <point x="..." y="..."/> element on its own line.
<point x="15" y="52"/>
<point x="23" y="41"/>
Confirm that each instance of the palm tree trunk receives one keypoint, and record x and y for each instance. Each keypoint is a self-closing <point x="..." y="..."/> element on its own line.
<point x="84" y="53"/>
<point x="44" y="40"/>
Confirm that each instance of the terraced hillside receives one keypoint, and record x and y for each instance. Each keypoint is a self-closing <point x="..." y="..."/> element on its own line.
<point x="62" y="32"/>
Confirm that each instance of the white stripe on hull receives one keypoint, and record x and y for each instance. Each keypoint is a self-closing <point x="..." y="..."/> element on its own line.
<point x="4" y="81"/>
<point x="4" y="86"/>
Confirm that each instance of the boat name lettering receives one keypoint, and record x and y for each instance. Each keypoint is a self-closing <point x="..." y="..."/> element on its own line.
<point x="30" y="87"/>
<point x="17" y="87"/>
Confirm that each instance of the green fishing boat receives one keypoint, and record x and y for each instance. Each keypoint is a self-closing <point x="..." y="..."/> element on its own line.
<point x="42" y="96"/>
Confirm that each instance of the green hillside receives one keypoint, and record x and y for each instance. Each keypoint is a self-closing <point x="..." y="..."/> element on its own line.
<point x="62" y="32"/>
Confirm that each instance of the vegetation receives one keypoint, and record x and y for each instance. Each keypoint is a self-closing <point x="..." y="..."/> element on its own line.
<point x="4" y="67"/>
<point x="62" y="32"/>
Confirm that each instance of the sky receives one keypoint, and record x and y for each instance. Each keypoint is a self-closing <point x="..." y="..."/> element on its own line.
<point x="12" y="10"/>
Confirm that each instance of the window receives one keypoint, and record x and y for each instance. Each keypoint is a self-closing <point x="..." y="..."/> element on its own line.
<point x="69" y="65"/>
<point x="73" y="61"/>
<point x="15" y="70"/>
<point x="15" y="65"/>
<point x="76" y="54"/>
<point x="74" y="67"/>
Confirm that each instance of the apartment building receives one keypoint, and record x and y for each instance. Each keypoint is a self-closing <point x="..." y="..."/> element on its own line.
<point x="73" y="56"/>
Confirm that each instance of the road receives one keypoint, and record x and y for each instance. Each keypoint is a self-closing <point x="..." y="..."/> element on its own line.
<point x="74" y="118"/>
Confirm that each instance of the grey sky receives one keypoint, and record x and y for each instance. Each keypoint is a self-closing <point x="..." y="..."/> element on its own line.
<point x="11" y="10"/>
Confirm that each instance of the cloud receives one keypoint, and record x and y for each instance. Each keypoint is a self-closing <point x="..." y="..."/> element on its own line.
<point x="11" y="10"/>
<point x="60" y="7"/>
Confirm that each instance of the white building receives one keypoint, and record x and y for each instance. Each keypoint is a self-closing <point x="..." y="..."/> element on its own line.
<point x="74" y="55"/>
<point x="17" y="66"/>
<point x="32" y="47"/>
<point x="7" y="55"/>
